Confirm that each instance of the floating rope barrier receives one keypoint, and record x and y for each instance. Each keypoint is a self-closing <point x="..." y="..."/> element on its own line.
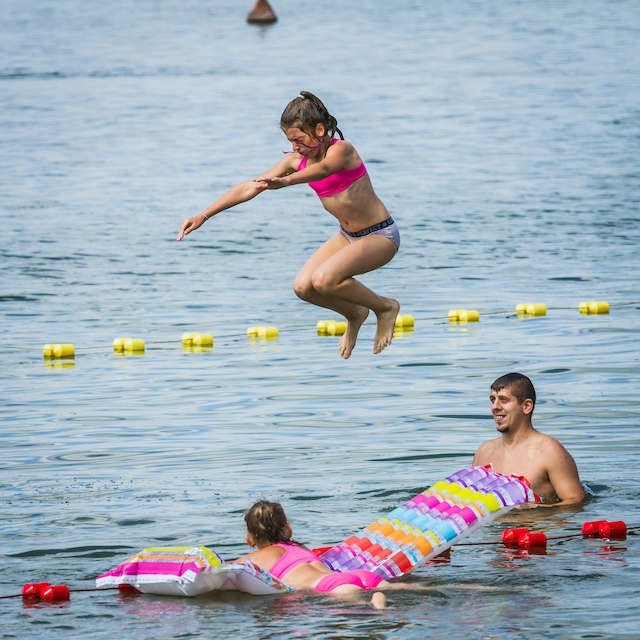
<point x="45" y="592"/>
<point x="519" y="538"/>
<point x="522" y="538"/>
<point x="193" y="342"/>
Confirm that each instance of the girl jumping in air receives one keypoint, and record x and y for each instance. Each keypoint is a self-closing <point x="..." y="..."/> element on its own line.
<point x="368" y="236"/>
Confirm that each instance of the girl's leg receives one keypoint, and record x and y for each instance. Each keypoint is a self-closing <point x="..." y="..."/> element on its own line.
<point x="333" y="280"/>
<point x="353" y="592"/>
<point x="355" y="314"/>
<point x="379" y="600"/>
<point x="303" y="286"/>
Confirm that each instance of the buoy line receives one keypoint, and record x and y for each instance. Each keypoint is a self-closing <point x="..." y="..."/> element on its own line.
<point x="519" y="540"/>
<point x="405" y="324"/>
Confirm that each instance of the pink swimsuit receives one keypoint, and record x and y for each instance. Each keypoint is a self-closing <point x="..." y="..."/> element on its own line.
<point x="362" y="578"/>
<point x="336" y="182"/>
<point x="295" y="555"/>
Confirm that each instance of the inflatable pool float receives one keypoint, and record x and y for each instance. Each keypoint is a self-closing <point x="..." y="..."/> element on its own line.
<point x="189" y="571"/>
<point x="393" y="545"/>
<point x="430" y="522"/>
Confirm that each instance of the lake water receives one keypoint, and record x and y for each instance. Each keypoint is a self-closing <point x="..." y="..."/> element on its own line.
<point x="504" y="138"/>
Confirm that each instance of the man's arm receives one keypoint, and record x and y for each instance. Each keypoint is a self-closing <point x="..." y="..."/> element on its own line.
<point x="563" y="475"/>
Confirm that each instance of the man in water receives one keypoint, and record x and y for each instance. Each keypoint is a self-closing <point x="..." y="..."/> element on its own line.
<point x="521" y="450"/>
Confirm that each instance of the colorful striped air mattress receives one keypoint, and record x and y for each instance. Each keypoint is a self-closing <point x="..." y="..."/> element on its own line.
<point x="392" y="546"/>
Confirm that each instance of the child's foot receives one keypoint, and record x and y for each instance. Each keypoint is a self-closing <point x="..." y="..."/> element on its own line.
<point x="378" y="600"/>
<point x="349" y="337"/>
<point x="386" y="323"/>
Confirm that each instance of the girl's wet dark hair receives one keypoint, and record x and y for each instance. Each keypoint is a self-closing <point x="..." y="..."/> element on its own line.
<point x="267" y="523"/>
<point x="305" y="112"/>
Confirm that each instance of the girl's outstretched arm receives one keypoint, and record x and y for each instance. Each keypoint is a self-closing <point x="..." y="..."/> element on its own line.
<point x="236" y="195"/>
<point x="240" y="193"/>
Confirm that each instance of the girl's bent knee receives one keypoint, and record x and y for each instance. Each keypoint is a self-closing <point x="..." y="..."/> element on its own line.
<point x="303" y="289"/>
<point x="322" y="283"/>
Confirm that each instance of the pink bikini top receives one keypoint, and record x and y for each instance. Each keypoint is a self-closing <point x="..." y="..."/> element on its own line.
<point x="336" y="182"/>
<point x="293" y="556"/>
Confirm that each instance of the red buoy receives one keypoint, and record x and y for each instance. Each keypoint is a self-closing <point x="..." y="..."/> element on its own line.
<point x="55" y="593"/>
<point x="532" y="540"/>
<point x="510" y="536"/>
<point x="613" y="530"/>
<point x="590" y="529"/>
<point x="34" y="589"/>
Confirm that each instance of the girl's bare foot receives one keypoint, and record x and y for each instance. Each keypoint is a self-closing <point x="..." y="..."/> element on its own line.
<point x="348" y="339"/>
<point x="386" y="323"/>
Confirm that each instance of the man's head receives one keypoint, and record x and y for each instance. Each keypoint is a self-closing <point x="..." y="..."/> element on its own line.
<point x="521" y="387"/>
<point x="513" y="399"/>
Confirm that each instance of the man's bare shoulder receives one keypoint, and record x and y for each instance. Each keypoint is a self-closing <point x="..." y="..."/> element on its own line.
<point x="546" y="444"/>
<point x="486" y="450"/>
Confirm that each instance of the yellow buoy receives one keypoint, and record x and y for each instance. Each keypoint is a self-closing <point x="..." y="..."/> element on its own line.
<point x="133" y="345"/>
<point x="128" y="345"/>
<point x="470" y="315"/>
<point x="331" y="327"/>
<point x="118" y="344"/>
<point x="464" y="315"/>
<point x="404" y="322"/>
<point x="531" y="309"/>
<point x="263" y="332"/>
<point x="268" y="332"/>
<point x="187" y="339"/>
<point x="336" y="327"/>
<point x="204" y="340"/>
<point x="594" y="307"/>
<point x="57" y="351"/>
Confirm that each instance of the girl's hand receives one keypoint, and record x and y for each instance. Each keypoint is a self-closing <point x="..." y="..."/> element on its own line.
<point x="271" y="183"/>
<point x="191" y="224"/>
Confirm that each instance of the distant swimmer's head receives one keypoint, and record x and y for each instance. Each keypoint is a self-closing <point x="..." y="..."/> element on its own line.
<point x="267" y="524"/>
<point x="521" y="386"/>
<point x="308" y="113"/>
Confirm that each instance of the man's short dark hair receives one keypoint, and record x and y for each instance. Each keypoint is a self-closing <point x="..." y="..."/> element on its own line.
<point x="519" y="384"/>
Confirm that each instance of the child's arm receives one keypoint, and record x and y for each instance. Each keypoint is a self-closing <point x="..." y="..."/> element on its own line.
<point x="242" y="192"/>
<point x="338" y="156"/>
<point x="236" y="195"/>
